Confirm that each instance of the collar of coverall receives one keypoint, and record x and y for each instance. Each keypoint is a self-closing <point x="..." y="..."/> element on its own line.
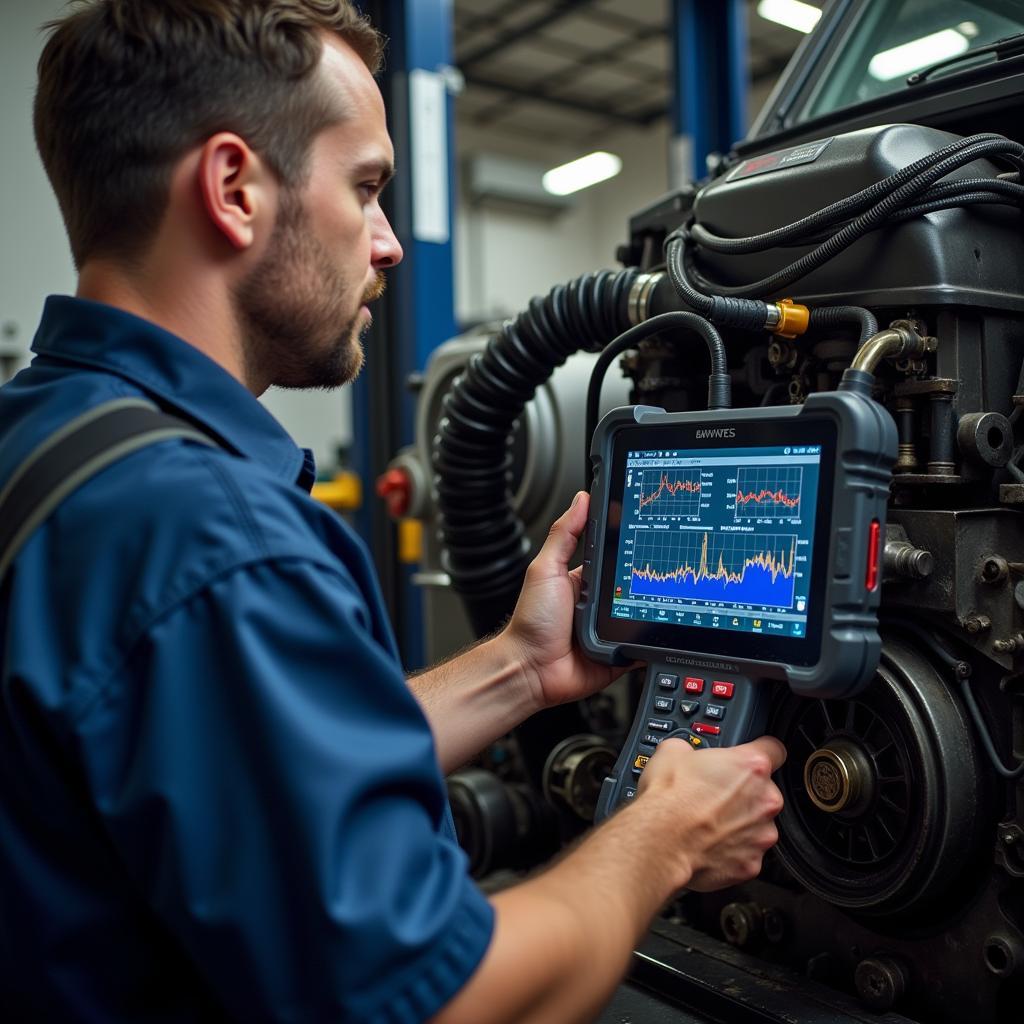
<point x="177" y="375"/>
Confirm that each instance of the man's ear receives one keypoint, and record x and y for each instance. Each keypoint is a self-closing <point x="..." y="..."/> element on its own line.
<point x="236" y="186"/>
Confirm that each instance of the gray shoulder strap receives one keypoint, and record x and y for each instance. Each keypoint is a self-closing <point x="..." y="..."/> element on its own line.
<point x="74" y="454"/>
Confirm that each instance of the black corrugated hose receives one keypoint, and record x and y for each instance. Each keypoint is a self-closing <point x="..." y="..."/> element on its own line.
<point x="485" y="548"/>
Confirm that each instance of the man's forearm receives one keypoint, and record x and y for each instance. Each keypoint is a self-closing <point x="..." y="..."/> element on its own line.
<point x="562" y="940"/>
<point x="474" y="698"/>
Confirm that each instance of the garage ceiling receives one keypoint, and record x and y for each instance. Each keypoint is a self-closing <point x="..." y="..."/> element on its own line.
<point x="571" y="70"/>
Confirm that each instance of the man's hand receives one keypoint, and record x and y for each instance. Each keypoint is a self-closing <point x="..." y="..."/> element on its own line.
<point x="717" y="808"/>
<point x="541" y="626"/>
<point x="562" y="940"/>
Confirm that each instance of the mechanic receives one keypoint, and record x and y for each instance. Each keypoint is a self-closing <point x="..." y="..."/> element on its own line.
<point x="219" y="796"/>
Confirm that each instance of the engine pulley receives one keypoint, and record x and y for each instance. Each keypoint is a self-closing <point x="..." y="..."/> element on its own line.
<point x="882" y="791"/>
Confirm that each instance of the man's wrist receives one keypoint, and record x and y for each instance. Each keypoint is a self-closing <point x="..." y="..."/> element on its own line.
<point x="526" y="676"/>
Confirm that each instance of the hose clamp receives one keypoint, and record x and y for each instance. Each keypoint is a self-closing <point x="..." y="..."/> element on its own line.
<point x="640" y="296"/>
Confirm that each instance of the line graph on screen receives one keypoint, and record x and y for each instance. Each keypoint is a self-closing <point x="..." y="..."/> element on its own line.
<point x="748" y="569"/>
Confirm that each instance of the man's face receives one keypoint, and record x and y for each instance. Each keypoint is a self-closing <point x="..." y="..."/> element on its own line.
<point x="303" y="308"/>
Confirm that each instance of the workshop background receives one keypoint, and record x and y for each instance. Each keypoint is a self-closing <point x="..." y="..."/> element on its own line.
<point x="533" y="84"/>
<point x="897" y="885"/>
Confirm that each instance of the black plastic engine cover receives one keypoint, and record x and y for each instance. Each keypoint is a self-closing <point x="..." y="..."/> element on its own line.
<point x="962" y="256"/>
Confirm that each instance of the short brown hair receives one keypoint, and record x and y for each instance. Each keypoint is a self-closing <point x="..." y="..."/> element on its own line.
<point x="127" y="87"/>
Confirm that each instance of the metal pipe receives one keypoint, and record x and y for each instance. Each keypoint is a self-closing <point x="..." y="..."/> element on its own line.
<point x="886" y="344"/>
<point x="896" y="341"/>
<point x="940" y="462"/>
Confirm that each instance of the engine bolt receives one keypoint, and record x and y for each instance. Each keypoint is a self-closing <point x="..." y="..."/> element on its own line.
<point x="880" y="982"/>
<point x="994" y="569"/>
<point x="975" y="624"/>
<point x="741" y="923"/>
<point x="1004" y="955"/>
<point x="1009" y="645"/>
<point x="901" y="558"/>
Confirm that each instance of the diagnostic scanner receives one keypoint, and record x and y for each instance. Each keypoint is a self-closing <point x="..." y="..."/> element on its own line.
<point x="730" y="549"/>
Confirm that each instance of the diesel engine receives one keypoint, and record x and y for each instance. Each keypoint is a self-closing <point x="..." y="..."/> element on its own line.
<point x="894" y="247"/>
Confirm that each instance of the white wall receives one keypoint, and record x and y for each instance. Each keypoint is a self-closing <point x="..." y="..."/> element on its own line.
<point x="503" y="257"/>
<point x="34" y="256"/>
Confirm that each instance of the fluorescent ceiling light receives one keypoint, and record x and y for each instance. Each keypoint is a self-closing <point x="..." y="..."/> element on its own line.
<point x="917" y="54"/>
<point x="791" y="13"/>
<point x="582" y="173"/>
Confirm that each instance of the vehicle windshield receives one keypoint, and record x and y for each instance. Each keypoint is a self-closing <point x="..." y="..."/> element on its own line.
<point x="894" y="38"/>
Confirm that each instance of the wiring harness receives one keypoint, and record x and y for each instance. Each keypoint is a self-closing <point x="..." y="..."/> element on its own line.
<point x="911" y="192"/>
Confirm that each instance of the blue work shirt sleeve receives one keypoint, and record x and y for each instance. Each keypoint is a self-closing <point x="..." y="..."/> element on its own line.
<point x="271" y="786"/>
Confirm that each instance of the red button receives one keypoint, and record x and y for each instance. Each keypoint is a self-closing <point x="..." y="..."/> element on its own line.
<point x="723" y="690"/>
<point x="694" y="685"/>
<point x="874" y="552"/>
<point x="707" y="730"/>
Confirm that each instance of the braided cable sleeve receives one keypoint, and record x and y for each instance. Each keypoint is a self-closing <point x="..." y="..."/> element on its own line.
<point x="842" y="209"/>
<point x="829" y="316"/>
<point x="894" y="202"/>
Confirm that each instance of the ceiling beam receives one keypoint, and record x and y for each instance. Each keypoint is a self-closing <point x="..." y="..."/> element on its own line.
<point x="563" y="10"/>
<point x="468" y="22"/>
<point x="520" y="92"/>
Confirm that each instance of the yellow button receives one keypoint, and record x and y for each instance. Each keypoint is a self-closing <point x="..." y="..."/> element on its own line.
<point x="641" y="761"/>
<point x="696" y="741"/>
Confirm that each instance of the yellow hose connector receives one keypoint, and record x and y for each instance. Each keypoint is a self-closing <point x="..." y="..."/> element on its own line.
<point x="793" y="319"/>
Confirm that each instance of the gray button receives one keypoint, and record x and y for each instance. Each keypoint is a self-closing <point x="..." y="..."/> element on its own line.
<point x="841" y="551"/>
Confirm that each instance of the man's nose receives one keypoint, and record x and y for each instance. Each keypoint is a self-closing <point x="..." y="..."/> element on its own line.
<point x="385" y="250"/>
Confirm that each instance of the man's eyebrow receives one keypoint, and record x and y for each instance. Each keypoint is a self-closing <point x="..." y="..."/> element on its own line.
<point x="382" y="170"/>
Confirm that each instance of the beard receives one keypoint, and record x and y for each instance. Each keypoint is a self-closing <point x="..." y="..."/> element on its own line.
<point x="297" y="326"/>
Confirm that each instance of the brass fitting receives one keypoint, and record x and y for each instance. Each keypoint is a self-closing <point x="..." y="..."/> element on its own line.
<point x="793" y="319"/>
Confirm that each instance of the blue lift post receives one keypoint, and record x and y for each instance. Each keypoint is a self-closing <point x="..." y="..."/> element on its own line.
<point x="709" y="47"/>
<point x="419" y="311"/>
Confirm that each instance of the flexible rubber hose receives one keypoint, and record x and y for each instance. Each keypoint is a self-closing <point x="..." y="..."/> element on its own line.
<point x="485" y="549"/>
<point x="747" y="314"/>
<point x="719" y="384"/>
<point x="831" y="316"/>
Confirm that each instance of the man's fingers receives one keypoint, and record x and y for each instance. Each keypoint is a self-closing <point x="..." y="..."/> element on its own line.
<point x="772" y="749"/>
<point x="565" y="534"/>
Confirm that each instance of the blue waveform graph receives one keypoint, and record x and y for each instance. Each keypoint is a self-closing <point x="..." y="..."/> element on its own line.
<point x="738" y="569"/>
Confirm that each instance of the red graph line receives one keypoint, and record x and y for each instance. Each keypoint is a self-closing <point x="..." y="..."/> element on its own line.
<point x="764" y="560"/>
<point x="778" y="497"/>
<point x="672" y="488"/>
